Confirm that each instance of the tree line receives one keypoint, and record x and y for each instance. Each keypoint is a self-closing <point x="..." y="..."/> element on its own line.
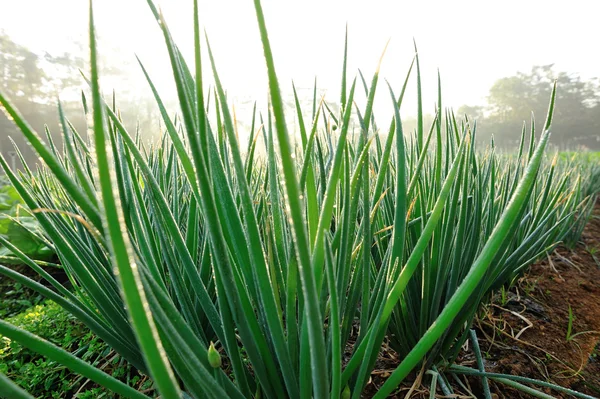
<point x="34" y="83"/>
<point x="512" y="100"/>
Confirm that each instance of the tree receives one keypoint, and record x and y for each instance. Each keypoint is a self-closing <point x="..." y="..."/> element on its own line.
<point x="472" y="111"/>
<point x="511" y="101"/>
<point x="34" y="82"/>
<point x="21" y="80"/>
<point x="20" y="74"/>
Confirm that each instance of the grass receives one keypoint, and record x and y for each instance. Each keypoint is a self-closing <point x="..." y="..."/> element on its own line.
<point x="190" y="247"/>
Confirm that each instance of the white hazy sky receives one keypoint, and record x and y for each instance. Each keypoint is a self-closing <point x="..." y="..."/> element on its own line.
<point x="472" y="42"/>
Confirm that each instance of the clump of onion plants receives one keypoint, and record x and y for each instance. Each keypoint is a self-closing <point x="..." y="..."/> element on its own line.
<point x="223" y="274"/>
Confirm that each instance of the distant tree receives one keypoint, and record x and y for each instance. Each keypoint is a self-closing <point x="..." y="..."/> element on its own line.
<point x="20" y="74"/>
<point x="64" y="78"/>
<point x="511" y="101"/>
<point x="22" y="81"/>
<point x="34" y="83"/>
<point x="475" y="112"/>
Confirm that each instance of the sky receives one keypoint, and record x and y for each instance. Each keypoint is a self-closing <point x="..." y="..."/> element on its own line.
<point x="471" y="42"/>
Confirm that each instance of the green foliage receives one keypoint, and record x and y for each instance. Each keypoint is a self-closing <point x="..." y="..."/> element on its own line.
<point x="279" y="260"/>
<point x="19" y="227"/>
<point x="49" y="379"/>
<point x="9" y="197"/>
<point x="16" y="298"/>
<point x="46" y="378"/>
<point x="587" y="166"/>
<point x="570" y="324"/>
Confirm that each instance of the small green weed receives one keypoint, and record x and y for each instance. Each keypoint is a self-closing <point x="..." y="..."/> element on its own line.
<point x="47" y="379"/>
<point x="16" y="298"/>
<point x="570" y="336"/>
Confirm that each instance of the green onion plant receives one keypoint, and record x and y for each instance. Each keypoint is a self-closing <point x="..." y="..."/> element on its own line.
<point x="223" y="273"/>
